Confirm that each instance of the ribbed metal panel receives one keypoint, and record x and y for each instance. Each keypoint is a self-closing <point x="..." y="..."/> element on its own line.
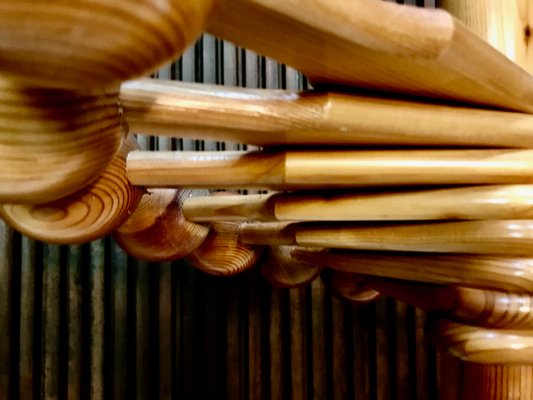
<point x="89" y="322"/>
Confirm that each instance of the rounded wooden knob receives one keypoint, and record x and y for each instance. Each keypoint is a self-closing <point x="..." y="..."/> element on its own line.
<point x="489" y="346"/>
<point x="350" y="287"/>
<point x="281" y="270"/>
<point x="54" y="142"/>
<point x="93" y="43"/>
<point x="89" y="214"/>
<point x="157" y="230"/>
<point x="222" y="254"/>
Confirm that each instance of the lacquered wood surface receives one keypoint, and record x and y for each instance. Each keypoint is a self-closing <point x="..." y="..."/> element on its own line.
<point x="91" y="213"/>
<point x="488" y="346"/>
<point x="277" y="117"/>
<point x="376" y="44"/>
<point x="350" y="287"/>
<point x="505" y="237"/>
<point x="469" y="202"/>
<point x="504" y="24"/>
<point x="157" y="230"/>
<point x="329" y="169"/>
<point x="485" y="308"/>
<point x="221" y="253"/>
<point x="512" y="274"/>
<point x="281" y="270"/>
<point x="54" y="142"/>
<point x="93" y="43"/>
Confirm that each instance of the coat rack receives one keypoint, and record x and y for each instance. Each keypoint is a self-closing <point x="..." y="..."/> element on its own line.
<point x="405" y="172"/>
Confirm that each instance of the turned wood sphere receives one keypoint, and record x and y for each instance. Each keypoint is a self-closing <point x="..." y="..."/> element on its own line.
<point x="89" y="214"/>
<point x="93" y="43"/>
<point x="54" y="142"/>
<point x="157" y="229"/>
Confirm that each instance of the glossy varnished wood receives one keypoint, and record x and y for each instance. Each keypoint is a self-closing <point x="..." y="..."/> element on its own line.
<point x="54" y="142"/>
<point x="221" y="253"/>
<point x="376" y="44"/>
<point x="91" y="213"/>
<point x="281" y="270"/>
<point x="157" y="230"/>
<point x="278" y="117"/>
<point x="350" y="287"/>
<point x="488" y="346"/>
<point x="469" y="202"/>
<point x="505" y="237"/>
<point x="329" y="169"/>
<point x="513" y="274"/>
<point x="505" y="24"/>
<point x="485" y="308"/>
<point x="93" y="43"/>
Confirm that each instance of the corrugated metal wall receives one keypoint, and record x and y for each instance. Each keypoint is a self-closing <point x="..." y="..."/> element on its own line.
<point x="88" y="322"/>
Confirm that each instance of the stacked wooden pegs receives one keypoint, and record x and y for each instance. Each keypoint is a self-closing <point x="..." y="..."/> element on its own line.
<point x="426" y="200"/>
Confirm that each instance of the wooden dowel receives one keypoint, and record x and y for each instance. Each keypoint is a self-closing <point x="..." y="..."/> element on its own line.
<point x="506" y="25"/>
<point x="471" y="202"/>
<point x="378" y="45"/>
<point x="329" y="169"/>
<point x="505" y="237"/>
<point x="276" y="117"/>
<point x="486" y="272"/>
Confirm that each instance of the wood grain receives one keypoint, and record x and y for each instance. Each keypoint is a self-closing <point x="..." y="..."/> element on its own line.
<point x="281" y="270"/>
<point x="376" y="45"/>
<point x="349" y="287"/>
<point x="497" y="382"/>
<point x="157" y="230"/>
<point x="490" y="346"/>
<point x="279" y="117"/>
<point x="329" y="169"/>
<point x="460" y="203"/>
<point x="91" y="213"/>
<point x="221" y="253"/>
<point x="504" y="24"/>
<point x="54" y="142"/>
<point x="505" y="237"/>
<point x="485" y="308"/>
<point x="478" y="237"/>
<point x="93" y="43"/>
<point x="512" y="274"/>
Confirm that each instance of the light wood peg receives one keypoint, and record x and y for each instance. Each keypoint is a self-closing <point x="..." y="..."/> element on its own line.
<point x="122" y="39"/>
<point x="53" y="142"/>
<point x="279" y="117"/>
<point x="504" y="238"/>
<point x="377" y="45"/>
<point x="281" y="270"/>
<point x="491" y="202"/>
<point x="91" y="213"/>
<point x="157" y="230"/>
<point x="333" y="169"/>
<point x="514" y="274"/>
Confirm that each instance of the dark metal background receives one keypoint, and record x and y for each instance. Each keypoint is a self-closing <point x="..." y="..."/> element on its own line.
<point x="88" y="322"/>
